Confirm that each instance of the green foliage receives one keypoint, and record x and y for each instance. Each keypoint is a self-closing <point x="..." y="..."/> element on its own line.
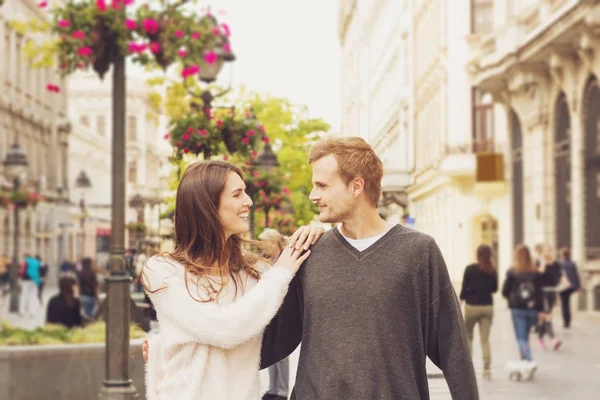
<point x="59" y="334"/>
<point x="289" y="129"/>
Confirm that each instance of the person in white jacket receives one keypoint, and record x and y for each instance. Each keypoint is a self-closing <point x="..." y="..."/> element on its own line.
<point x="213" y="300"/>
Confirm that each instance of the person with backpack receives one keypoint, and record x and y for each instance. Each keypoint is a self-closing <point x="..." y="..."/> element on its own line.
<point x="523" y="288"/>
<point x="572" y="284"/>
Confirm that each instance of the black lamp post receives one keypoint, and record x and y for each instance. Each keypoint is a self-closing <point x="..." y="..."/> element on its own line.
<point x="83" y="186"/>
<point x="266" y="161"/>
<point x="15" y="164"/>
<point x="137" y="202"/>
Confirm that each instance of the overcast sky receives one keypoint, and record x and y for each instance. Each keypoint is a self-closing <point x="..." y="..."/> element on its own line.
<point x="288" y="48"/>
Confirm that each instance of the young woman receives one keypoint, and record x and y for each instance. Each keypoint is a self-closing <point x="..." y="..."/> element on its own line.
<point x="480" y="281"/>
<point x="523" y="288"/>
<point x="212" y="299"/>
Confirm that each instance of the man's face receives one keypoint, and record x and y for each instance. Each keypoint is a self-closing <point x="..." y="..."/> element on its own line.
<point x="330" y="192"/>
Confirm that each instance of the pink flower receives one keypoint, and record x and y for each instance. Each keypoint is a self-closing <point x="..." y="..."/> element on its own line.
<point x="130" y="24"/>
<point x="155" y="47"/>
<point x="63" y="23"/>
<point x="186" y="136"/>
<point x="101" y="4"/>
<point x="216" y="31"/>
<point x="227" y="47"/>
<point x="189" y="71"/>
<point x="182" y="53"/>
<point x="286" y="190"/>
<point x="203" y="132"/>
<point x="43" y="4"/>
<point x="226" y="30"/>
<point x="219" y="123"/>
<point x="137" y="48"/>
<point x="190" y="131"/>
<point x="210" y="57"/>
<point x="225" y="158"/>
<point x="261" y="129"/>
<point x="245" y="140"/>
<point x="78" y="35"/>
<point x="222" y="12"/>
<point x="150" y="26"/>
<point x="254" y="154"/>
<point x="196" y="35"/>
<point x="186" y="150"/>
<point x="179" y="34"/>
<point x="266" y="140"/>
<point x="52" y="88"/>
<point x="84" y="51"/>
<point x="166" y="136"/>
<point x="250" y="132"/>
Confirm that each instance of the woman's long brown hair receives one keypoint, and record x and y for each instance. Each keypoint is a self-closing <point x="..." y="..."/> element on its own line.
<point x="484" y="259"/>
<point x="529" y="265"/>
<point x="201" y="245"/>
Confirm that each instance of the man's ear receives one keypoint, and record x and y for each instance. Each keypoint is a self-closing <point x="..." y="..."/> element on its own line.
<point x="357" y="186"/>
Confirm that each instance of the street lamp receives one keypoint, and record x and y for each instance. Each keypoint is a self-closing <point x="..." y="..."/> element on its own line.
<point x="137" y="202"/>
<point x="15" y="163"/>
<point x="266" y="161"/>
<point x="83" y="187"/>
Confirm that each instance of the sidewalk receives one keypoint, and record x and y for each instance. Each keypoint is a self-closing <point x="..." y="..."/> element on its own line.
<point x="570" y="373"/>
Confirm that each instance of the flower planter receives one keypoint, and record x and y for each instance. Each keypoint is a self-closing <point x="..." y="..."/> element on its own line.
<point x="61" y="372"/>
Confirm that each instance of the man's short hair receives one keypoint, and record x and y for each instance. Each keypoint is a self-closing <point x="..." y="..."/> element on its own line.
<point x="355" y="158"/>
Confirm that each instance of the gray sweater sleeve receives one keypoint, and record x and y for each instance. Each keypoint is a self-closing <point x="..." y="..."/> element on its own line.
<point x="447" y="343"/>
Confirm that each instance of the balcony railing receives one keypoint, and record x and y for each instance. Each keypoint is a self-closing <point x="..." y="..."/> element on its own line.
<point x="479" y="146"/>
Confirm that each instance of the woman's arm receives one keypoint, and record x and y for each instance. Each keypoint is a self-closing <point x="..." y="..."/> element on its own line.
<point x="465" y="284"/>
<point x="507" y="287"/>
<point x="224" y="326"/>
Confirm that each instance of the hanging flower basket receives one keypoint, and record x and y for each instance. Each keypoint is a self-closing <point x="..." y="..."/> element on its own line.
<point x="220" y="131"/>
<point x="138" y="227"/>
<point x="21" y="198"/>
<point x="94" y="33"/>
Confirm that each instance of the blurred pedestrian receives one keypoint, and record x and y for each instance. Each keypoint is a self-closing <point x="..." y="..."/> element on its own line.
<point x="279" y="373"/>
<point x="572" y="284"/>
<point x="545" y="326"/>
<point x="480" y="281"/>
<point x="523" y="289"/>
<point x="43" y="274"/>
<point x="65" y="308"/>
<point x="30" y="282"/>
<point x="88" y="287"/>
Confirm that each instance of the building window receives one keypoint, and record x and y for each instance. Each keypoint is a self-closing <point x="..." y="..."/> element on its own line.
<point x="132" y="129"/>
<point x="483" y="121"/>
<point x="132" y="172"/>
<point x="85" y="120"/>
<point x="101" y="125"/>
<point x="482" y="16"/>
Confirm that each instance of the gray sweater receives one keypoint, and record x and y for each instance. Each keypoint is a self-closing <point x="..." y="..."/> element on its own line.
<point x="368" y="320"/>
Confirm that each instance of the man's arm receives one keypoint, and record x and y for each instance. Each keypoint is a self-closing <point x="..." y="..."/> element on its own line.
<point x="447" y="345"/>
<point x="283" y="335"/>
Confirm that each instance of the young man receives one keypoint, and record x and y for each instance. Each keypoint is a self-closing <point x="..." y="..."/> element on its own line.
<point x="372" y="301"/>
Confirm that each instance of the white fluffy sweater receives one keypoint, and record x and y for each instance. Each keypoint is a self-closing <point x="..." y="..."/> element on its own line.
<point x="208" y="350"/>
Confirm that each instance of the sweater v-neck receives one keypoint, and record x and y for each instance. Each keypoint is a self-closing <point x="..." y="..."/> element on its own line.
<point x="361" y="255"/>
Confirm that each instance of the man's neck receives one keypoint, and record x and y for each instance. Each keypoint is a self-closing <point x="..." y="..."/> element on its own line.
<point x="364" y="225"/>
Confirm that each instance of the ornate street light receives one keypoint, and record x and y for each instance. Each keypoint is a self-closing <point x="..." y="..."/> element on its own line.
<point x="266" y="161"/>
<point x="15" y="164"/>
<point x="83" y="188"/>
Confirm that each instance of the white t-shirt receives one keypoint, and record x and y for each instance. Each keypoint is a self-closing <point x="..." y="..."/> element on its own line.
<point x="363" y="244"/>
